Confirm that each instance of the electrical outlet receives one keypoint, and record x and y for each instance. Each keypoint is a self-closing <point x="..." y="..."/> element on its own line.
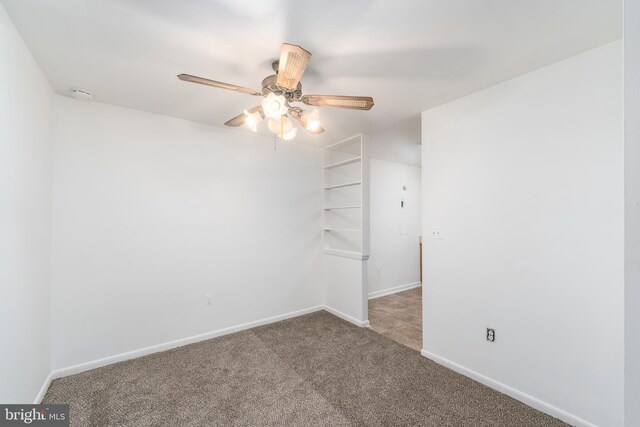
<point x="208" y="299"/>
<point x="491" y="335"/>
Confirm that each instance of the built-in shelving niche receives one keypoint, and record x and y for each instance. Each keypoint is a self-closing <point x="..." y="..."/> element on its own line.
<point x="345" y="200"/>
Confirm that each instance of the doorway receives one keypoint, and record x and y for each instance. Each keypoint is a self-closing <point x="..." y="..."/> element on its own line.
<point x="395" y="262"/>
<point x="399" y="317"/>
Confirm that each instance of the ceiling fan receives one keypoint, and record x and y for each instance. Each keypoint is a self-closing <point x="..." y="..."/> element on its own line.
<point x="282" y="89"/>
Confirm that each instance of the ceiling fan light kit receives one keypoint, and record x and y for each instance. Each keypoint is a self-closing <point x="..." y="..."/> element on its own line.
<point x="252" y="120"/>
<point x="311" y="120"/>
<point x="280" y="125"/>
<point x="279" y="91"/>
<point x="274" y="106"/>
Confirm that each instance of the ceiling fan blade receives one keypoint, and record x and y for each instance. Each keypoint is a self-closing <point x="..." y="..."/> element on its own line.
<point x="337" y="101"/>
<point x="293" y="62"/>
<point x="221" y="85"/>
<point x="296" y="114"/>
<point x="241" y="118"/>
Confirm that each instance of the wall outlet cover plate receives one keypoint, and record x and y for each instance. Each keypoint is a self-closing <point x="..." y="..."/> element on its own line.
<point x="436" y="233"/>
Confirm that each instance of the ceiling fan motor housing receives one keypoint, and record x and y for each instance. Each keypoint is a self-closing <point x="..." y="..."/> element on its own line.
<point x="270" y="85"/>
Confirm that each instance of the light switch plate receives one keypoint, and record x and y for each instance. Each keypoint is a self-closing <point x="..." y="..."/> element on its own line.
<point x="436" y="233"/>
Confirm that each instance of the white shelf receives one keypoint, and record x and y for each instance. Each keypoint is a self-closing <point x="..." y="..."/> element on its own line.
<point x="342" y="207"/>
<point x="346" y="254"/>
<point x="348" y="184"/>
<point x="351" y="140"/>
<point x="345" y="213"/>
<point x="343" y="163"/>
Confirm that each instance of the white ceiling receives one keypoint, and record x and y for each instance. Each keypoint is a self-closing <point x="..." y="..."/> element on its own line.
<point x="408" y="55"/>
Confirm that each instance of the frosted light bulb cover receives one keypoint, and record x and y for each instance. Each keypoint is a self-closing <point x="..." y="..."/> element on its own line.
<point x="312" y="120"/>
<point x="291" y="134"/>
<point x="274" y="106"/>
<point x="281" y="126"/>
<point x="252" y="120"/>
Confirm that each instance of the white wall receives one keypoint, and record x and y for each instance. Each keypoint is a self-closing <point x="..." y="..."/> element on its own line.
<point x="25" y="219"/>
<point x="525" y="180"/>
<point x="344" y="288"/>
<point x="398" y="143"/>
<point x="151" y="213"/>
<point x="632" y="210"/>
<point x="395" y="231"/>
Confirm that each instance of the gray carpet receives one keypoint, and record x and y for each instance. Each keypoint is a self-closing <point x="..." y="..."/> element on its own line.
<point x="312" y="370"/>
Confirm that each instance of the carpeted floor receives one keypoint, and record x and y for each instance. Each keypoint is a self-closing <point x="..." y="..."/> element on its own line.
<point x="314" y="370"/>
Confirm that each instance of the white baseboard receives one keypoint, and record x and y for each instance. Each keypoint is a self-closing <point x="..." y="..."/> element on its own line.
<point x="384" y="292"/>
<point x="43" y="389"/>
<point x="76" y="369"/>
<point x="510" y="391"/>
<point x="348" y="318"/>
<point x="82" y="367"/>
